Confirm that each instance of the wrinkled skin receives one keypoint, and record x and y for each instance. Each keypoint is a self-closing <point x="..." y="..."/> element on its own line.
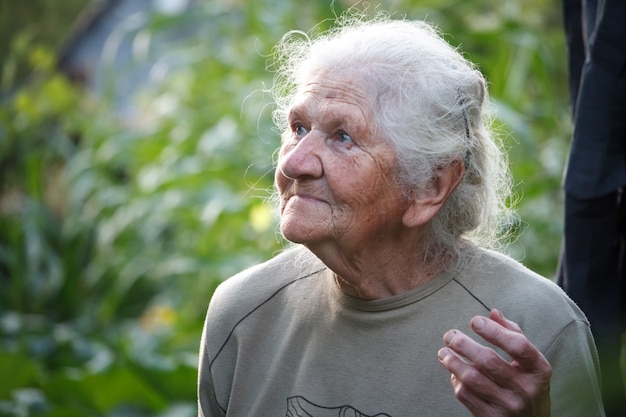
<point x="334" y="176"/>
<point x="337" y="191"/>
<point x="489" y="385"/>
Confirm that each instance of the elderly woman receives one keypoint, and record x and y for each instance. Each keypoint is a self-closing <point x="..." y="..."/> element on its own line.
<point x="390" y="187"/>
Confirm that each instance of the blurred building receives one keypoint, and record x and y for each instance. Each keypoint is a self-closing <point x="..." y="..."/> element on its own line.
<point x="113" y="50"/>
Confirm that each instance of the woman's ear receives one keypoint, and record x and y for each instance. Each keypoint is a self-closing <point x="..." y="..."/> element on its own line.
<point x="428" y="202"/>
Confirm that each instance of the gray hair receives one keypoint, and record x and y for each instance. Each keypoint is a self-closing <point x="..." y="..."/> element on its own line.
<point x="429" y="103"/>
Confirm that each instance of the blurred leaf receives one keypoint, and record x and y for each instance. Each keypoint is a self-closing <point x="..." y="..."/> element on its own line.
<point x="18" y="371"/>
<point x="101" y="392"/>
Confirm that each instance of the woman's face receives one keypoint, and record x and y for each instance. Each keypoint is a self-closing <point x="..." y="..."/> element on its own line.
<point x="335" y="176"/>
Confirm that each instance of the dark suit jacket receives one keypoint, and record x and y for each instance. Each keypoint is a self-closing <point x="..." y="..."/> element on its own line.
<point x="596" y="37"/>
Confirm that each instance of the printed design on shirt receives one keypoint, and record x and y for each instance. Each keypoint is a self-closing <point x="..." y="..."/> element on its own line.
<point x="301" y="407"/>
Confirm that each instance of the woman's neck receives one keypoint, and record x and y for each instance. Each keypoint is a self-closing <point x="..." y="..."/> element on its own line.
<point x="383" y="272"/>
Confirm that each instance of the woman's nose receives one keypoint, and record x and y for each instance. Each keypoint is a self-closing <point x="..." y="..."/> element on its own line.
<point x="302" y="159"/>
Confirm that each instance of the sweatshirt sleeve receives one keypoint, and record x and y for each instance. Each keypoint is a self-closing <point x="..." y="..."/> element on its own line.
<point x="575" y="386"/>
<point x="208" y="405"/>
<point x="207" y="402"/>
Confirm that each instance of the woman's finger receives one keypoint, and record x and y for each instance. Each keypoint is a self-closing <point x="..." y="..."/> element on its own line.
<point x="506" y="335"/>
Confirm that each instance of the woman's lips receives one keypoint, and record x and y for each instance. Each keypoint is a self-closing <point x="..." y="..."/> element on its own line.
<point x="308" y="197"/>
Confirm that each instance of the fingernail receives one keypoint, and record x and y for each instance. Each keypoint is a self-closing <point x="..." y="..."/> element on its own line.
<point x="478" y="323"/>
<point x="443" y="353"/>
<point x="447" y="338"/>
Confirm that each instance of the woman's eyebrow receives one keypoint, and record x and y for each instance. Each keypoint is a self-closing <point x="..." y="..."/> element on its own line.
<point x="295" y="110"/>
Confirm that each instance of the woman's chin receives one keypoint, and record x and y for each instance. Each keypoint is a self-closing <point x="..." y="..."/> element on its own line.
<point x="300" y="231"/>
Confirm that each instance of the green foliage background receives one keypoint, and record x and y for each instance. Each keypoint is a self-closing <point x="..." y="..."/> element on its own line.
<point x="115" y="229"/>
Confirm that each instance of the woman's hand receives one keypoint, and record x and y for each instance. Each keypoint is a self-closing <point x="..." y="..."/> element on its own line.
<point x="489" y="385"/>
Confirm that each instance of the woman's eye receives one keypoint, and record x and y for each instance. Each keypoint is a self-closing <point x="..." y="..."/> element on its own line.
<point x="299" y="130"/>
<point x="343" y="137"/>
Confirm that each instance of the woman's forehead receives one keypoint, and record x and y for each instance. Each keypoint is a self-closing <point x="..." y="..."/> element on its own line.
<point x="333" y="90"/>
